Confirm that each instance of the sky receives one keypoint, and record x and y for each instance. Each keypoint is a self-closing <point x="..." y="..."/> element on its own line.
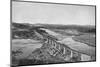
<point x="43" y="13"/>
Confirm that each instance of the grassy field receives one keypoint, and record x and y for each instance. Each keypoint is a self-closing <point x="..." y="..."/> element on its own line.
<point x="25" y="45"/>
<point x="87" y="39"/>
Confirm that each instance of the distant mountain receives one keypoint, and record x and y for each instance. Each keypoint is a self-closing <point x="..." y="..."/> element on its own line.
<point x="26" y="30"/>
<point x="51" y="26"/>
<point x="80" y="28"/>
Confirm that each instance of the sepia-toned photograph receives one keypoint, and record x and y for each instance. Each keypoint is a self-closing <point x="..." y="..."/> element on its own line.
<point x="52" y="33"/>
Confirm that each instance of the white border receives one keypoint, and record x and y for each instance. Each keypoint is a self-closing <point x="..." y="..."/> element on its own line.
<point x="5" y="33"/>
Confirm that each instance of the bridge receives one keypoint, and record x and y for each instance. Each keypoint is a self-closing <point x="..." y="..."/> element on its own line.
<point x="56" y="49"/>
